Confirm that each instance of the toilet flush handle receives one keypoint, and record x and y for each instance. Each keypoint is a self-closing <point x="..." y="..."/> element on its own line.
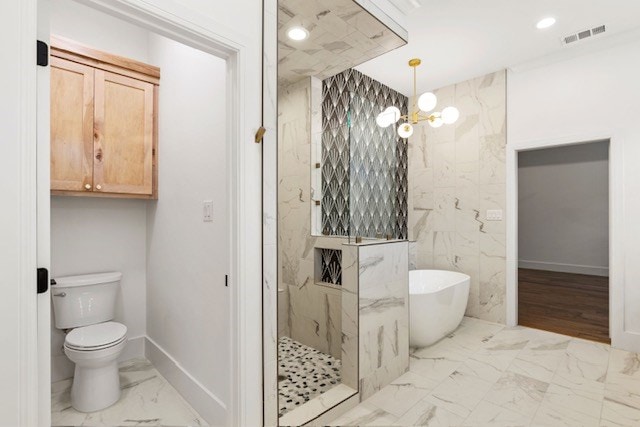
<point x="61" y="294"/>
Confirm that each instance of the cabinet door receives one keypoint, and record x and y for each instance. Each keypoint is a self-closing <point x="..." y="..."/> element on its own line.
<point x="123" y="144"/>
<point x="71" y="125"/>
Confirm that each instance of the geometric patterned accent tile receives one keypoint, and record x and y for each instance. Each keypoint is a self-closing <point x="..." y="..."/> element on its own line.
<point x="364" y="166"/>
<point x="331" y="266"/>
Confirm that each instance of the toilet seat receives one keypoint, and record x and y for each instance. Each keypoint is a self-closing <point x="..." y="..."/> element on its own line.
<point x="96" y="337"/>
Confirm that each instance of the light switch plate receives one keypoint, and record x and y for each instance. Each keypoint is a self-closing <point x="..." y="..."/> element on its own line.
<point x="207" y="211"/>
<point x="494" y="215"/>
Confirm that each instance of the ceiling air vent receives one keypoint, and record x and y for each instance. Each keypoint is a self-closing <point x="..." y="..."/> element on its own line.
<point x="584" y="34"/>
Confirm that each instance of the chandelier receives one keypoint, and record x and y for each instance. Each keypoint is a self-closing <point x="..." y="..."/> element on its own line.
<point x="419" y="111"/>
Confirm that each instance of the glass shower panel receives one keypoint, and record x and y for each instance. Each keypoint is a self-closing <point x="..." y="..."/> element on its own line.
<point x="335" y="163"/>
<point x="374" y="178"/>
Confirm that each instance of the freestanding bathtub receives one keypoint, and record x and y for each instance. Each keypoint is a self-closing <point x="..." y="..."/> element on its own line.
<point x="437" y="302"/>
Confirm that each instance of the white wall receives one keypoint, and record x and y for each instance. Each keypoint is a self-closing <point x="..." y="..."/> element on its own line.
<point x="187" y="301"/>
<point x="94" y="235"/>
<point x="593" y="96"/>
<point x="97" y="29"/>
<point x="563" y="212"/>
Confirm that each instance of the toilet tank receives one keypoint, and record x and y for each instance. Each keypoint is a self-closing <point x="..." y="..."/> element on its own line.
<point x="84" y="300"/>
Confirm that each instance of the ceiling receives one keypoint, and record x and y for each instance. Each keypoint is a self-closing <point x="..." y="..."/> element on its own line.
<point x="341" y="35"/>
<point x="461" y="39"/>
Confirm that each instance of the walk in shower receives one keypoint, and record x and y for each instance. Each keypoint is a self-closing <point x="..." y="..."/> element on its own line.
<point x="341" y="179"/>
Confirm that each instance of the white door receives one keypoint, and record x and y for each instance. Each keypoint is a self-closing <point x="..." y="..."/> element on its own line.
<point x="18" y="217"/>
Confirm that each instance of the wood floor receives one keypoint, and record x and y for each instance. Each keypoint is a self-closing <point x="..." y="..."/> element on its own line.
<point x="565" y="303"/>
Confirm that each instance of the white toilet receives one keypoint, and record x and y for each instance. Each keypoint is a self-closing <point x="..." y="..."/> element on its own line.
<point x="87" y="304"/>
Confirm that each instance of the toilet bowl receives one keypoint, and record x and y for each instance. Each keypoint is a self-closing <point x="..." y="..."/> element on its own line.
<point x="95" y="350"/>
<point x="84" y="307"/>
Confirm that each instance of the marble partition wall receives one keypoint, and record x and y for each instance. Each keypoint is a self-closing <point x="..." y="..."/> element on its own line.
<point x="383" y="286"/>
<point x="457" y="173"/>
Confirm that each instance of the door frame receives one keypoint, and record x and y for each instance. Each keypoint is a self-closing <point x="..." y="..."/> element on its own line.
<point x="217" y="38"/>
<point x="616" y="244"/>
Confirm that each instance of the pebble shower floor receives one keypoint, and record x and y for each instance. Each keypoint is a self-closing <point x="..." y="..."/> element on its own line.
<point x="308" y="372"/>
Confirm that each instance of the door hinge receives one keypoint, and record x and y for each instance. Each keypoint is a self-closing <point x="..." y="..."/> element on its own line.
<point x="43" y="54"/>
<point x="43" y="280"/>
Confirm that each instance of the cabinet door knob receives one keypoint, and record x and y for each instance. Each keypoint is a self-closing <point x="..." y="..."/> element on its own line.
<point x="98" y="187"/>
<point x="87" y="186"/>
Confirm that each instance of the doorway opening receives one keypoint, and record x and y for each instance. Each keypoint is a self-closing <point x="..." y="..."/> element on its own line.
<point x="125" y="99"/>
<point x="563" y="239"/>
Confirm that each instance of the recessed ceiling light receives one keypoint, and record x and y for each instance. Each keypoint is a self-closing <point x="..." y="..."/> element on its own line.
<point x="545" y="23"/>
<point x="297" y="33"/>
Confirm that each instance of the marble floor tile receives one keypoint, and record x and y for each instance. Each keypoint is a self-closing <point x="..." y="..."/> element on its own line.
<point x="459" y="393"/>
<point x="440" y="360"/>
<point x="478" y="330"/>
<point x="403" y="393"/>
<point x="488" y="365"/>
<point x="518" y="393"/>
<point x="365" y="414"/>
<point x="490" y="414"/>
<point x="624" y="363"/>
<point x="147" y="399"/>
<point x="497" y="376"/>
<point x="539" y="366"/>
<point x="509" y="339"/>
<point x="551" y="417"/>
<point x="426" y="413"/>
<point x="541" y="356"/>
<point x="623" y="389"/>
<point x="564" y="406"/>
<point x="615" y="414"/>
<point x="585" y="359"/>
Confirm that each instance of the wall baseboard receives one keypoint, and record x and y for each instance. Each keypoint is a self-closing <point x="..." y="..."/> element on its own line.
<point x="564" y="268"/>
<point x="210" y="407"/>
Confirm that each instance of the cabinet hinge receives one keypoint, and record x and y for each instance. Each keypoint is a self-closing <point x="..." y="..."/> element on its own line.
<point x="43" y="54"/>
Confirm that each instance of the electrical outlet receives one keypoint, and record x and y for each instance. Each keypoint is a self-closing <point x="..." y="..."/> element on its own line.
<point x="207" y="211"/>
<point x="494" y="215"/>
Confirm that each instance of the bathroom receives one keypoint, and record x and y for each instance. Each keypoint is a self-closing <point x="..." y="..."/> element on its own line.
<point x="324" y="213"/>
<point x="170" y="260"/>
<point x="360" y="204"/>
<point x="418" y="216"/>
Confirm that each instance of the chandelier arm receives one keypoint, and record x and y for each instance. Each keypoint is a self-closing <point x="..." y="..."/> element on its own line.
<point x="415" y="89"/>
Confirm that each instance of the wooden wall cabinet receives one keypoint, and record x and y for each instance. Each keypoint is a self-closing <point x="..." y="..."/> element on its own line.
<point x="104" y="109"/>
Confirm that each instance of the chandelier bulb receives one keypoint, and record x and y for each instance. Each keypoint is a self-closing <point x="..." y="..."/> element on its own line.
<point x="427" y="102"/>
<point x="405" y="130"/>
<point x="435" y="120"/>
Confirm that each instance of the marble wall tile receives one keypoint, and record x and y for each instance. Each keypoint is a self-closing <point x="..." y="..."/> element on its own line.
<point x="342" y="35"/>
<point x="462" y="169"/>
<point x="350" y="316"/>
<point x="312" y="314"/>
<point x="384" y="314"/>
<point x="444" y="156"/>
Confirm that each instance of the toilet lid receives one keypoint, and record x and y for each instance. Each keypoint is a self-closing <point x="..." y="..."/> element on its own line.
<point x="100" y="335"/>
